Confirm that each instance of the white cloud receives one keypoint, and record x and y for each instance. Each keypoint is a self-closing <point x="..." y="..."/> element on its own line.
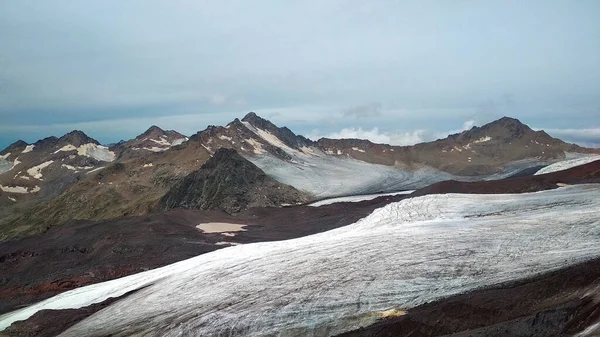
<point x="218" y="99"/>
<point x="374" y="135"/>
<point x="391" y="137"/>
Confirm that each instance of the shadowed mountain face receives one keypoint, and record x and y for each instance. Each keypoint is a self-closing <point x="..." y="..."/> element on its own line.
<point x="229" y="182"/>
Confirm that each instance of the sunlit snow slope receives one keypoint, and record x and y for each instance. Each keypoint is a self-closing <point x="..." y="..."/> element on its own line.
<point x="567" y="164"/>
<point x="401" y="255"/>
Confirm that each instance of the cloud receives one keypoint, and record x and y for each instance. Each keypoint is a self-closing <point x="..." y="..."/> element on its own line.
<point x="467" y="125"/>
<point x="376" y="136"/>
<point x="400" y="138"/>
<point x="363" y="111"/>
<point x="218" y="99"/>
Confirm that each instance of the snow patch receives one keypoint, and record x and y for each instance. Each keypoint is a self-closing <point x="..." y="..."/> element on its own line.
<point x="179" y="141"/>
<point x="355" y="198"/>
<point x="161" y="141"/>
<point x="225" y="243"/>
<point x="15" y="163"/>
<point x="12" y="199"/>
<point x="76" y="168"/>
<point x="207" y="148"/>
<point x="5" y="156"/>
<point x="96" y="169"/>
<point x="358" y="149"/>
<point x="36" y="171"/>
<point x="223" y="137"/>
<point x="97" y="152"/>
<point x="28" y="148"/>
<point x="66" y="148"/>
<point x="19" y="189"/>
<point x="148" y="165"/>
<point x="258" y="147"/>
<point x="482" y="140"/>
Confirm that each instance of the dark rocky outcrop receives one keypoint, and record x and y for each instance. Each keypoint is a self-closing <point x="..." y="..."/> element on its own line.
<point x="229" y="182"/>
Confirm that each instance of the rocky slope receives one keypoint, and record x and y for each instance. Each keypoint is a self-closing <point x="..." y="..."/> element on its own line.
<point x="143" y="169"/>
<point x="229" y="182"/>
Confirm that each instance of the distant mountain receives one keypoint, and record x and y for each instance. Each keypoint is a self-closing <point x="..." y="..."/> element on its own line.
<point x="154" y="139"/>
<point x="229" y="182"/>
<point x="132" y="177"/>
<point x="46" y="167"/>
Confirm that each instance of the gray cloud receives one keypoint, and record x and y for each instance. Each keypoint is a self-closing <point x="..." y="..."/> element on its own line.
<point x="363" y="111"/>
<point x="427" y="64"/>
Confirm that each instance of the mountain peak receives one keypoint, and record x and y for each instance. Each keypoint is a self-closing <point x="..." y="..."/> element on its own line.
<point x="77" y="138"/>
<point x="14" y="146"/>
<point x="153" y="129"/>
<point x="258" y="121"/>
<point x="251" y="116"/>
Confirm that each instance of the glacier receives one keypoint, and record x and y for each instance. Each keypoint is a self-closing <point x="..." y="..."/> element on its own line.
<point x="567" y="164"/>
<point x="402" y="255"/>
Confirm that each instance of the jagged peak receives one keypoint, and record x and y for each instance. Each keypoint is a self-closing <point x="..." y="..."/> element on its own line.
<point x="259" y="122"/>
<point x="250" y="116"/>
<point x="48" y="141"/>
<point x="151" y="131"/>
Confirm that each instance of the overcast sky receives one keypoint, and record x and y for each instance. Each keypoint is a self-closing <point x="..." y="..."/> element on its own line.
<point x="391" y="71"/>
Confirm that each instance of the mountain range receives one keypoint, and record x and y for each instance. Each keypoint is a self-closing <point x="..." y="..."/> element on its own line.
<point x="55" y="180"/>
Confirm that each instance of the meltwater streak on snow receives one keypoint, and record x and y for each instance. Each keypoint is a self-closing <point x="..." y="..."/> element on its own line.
<point x="355" y="198"/>
<point x="400" y="256"/>
<point x="567" y="164"/>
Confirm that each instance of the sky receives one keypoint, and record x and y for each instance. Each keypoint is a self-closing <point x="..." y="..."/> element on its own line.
<point x="398" y="72"/>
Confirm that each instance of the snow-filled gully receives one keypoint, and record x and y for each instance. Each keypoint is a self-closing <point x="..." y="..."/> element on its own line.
<point x="400" y="256"/>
